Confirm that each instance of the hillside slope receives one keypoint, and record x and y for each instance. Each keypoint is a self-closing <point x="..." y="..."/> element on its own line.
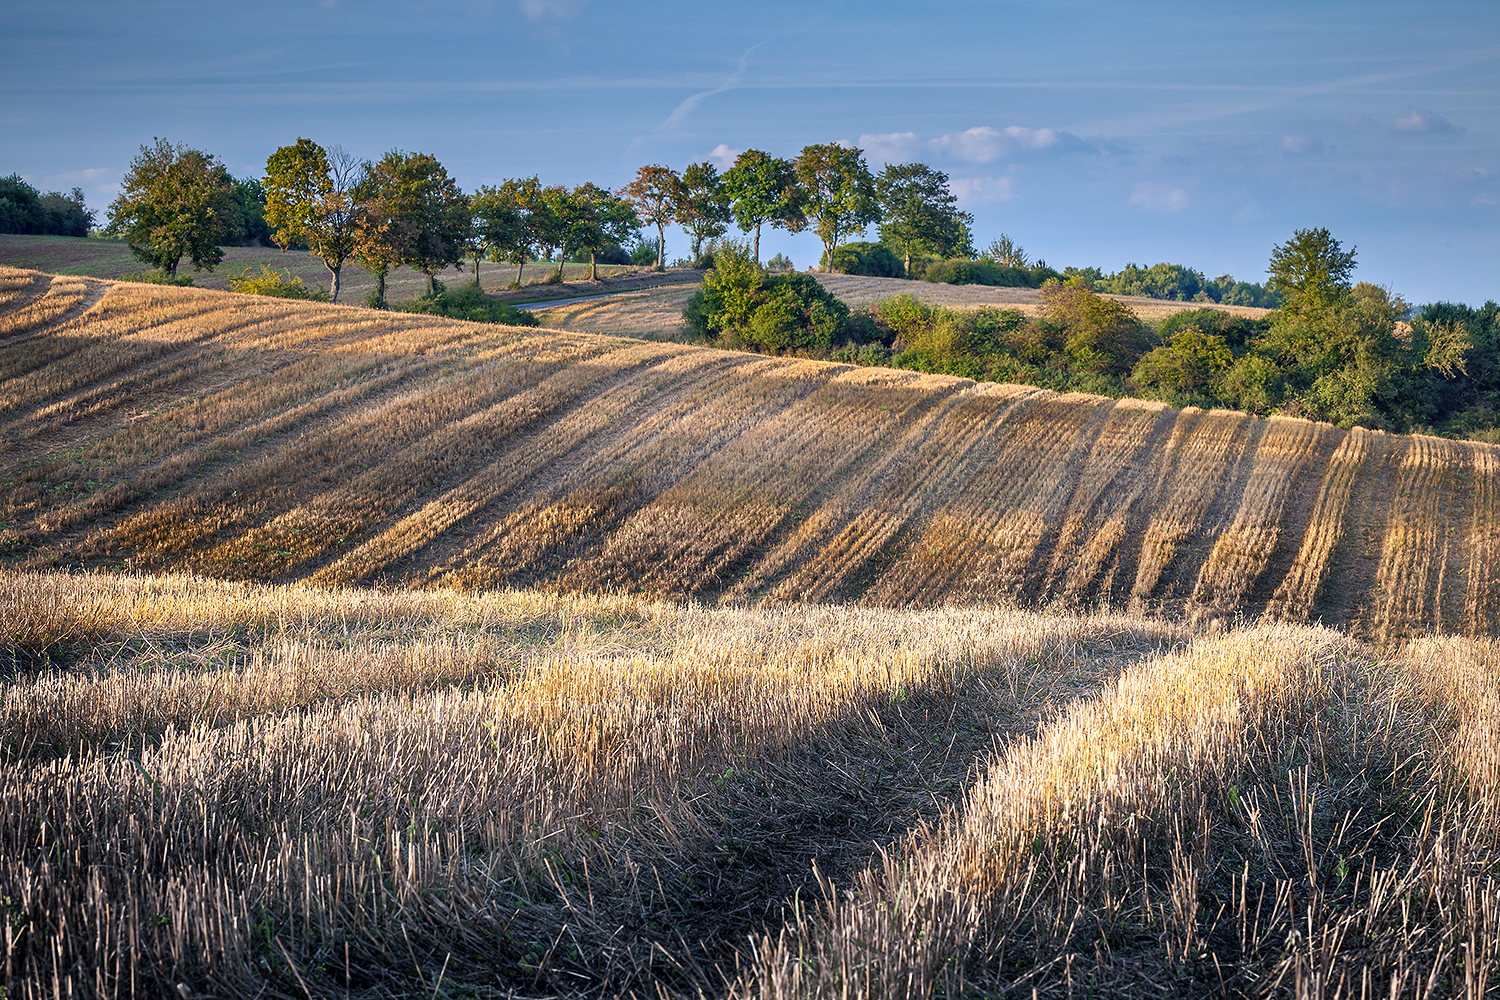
<point x="251" y="438"/>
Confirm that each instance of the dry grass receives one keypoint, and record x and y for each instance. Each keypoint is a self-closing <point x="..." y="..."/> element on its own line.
<point x="220" y="789"/>
<point x="247" y="438"/>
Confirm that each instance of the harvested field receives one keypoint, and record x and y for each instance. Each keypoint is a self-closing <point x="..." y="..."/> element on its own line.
<point x="213" y="789"/>
<point x="258" y="439"/>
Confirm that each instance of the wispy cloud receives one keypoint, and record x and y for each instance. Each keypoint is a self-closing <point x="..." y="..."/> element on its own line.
<point x="688" y="106"/>
<point x="1158" y="197"/>
<point x="980" y="190"/>
<point x="1418" y="122"/>
<point x="892" y="147"/>
<point x="1301" y="144"/>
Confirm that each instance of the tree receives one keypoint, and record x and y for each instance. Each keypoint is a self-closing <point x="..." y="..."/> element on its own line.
<point x="415" y="216"/>
<point x="175" y="202"/>
<point x="763" y="188"/>
<point x="610" y="221"/>
<point x="654" y="195"/>
<point x="1007" y="253"/>
<point x="1311" y="271"/>
<point x="702" y="206"/>
<point x="839" y="193"/>
<point x="250" y="203"/>
<point x="311" y="199"/>
<point x="500" y="222"/>
<point x="918" y="214"/>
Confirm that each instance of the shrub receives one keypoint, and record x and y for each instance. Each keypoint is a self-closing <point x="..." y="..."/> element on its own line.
<point x="741" y="305"/>
<point x="780" y="262"/>
<point x="277" y="284"/>
<point x="873" y="260"/>
<point x="1190" y="367"/>
<point x="976" y="272"/>
<point x="471" y="303"/>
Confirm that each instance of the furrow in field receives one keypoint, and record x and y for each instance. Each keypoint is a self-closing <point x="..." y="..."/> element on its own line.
<point x="1243" y="552"/>
<point x="1410" y="583"/>
<point x="1482" y="583"/>
<point x="1120" y="466"/>
<point x="405" y="400"/>
<point x="841" y="510"/>
<point x="562" y="514"/>
<point x="700" y="533"/>
<point x="338" y="516"/>
<point x="63" y="295"/>
<point x="1201" y="464"/>
<point x="1297" y="594"/>
<point x="20" y="288"/>
<point x="577" y="423"/>
<point x="892" y="502"/>
<point x="1005" y="515"/>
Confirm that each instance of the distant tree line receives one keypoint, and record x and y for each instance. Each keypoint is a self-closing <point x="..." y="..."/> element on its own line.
<point x="26" y="211"/>
<point x="1352" y="354"/>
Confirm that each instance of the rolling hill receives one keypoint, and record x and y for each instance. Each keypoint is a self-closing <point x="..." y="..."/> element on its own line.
<point x="244" y="438"/>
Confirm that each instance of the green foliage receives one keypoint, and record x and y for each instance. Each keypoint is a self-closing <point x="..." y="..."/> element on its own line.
<point x="780" y="262"/>
<point x="311" y="199"/>
<point x="838" y="193"/>
<point x="175" y="202"/>
<point x="740" y="305"/>
<point x="250" y="206"/>
<point x="977" y="272"/>
<point x="919" y="214"/>
<point x="1190" y="367"/>
<point x="654" y="194"/>
<point x="413" y="215"/>
<point x="702" y="207"/>
<point x="761" y="189"/>
<point x="278" y="284"/>
<point x="1104" y="335"/>
<point x="875" y="260"/>
<point x="25" y="210"/>
<point x="471" y="303"/>
<point x="1005" y="252"/>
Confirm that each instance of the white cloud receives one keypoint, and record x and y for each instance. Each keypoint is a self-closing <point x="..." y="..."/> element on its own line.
<point x="893" y="147"/>
<point x="559" y="9"/>
<point x="979" y="190"/>
<point x="1417" y="122"/>
<point x="1301" y="144"/>
<point x="984" y="144"/>
<point x="1158" y="197"/>
<point x="723" y="157"/>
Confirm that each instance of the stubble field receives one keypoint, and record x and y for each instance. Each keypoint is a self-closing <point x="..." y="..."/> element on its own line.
<point x="422" y="658"/>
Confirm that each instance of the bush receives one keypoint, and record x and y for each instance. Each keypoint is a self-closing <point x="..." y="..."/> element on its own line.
<point x="156" y="278"/>
<point x="740" y="305"/>
<point x="644" y="255"/>
<point x="780" y="262"/>
<point x="977" y="272"/>
<point x="277" y="284"/>
<point x="873" y="260"/>
<point x="470" y="303"/>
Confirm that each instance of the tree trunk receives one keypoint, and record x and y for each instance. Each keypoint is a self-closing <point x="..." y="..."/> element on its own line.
<point x="519" y="269"/>
<point x="171" y="269"/>
<point x="430" y="290"/>
<point x="333" y="271"/>
<point x="661" y="247"/>
<point x="476" y="269"/>
<point x="908" y="263"/>
<point x="593" y="267"/>
<point x="828" y="257"/>
<point x="380" y="290"/>
<point x="757" y="243"/>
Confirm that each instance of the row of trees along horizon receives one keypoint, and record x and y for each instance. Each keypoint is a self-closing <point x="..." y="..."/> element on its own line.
<point x="405" y="209"/>
<point x="1330" y="349"/>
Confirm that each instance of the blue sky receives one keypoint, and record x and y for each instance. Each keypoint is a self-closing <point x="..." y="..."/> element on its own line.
<point x="1091" y="133"/>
